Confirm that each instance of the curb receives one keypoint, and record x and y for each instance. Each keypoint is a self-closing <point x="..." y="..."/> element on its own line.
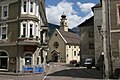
<point x="18" y="74"/>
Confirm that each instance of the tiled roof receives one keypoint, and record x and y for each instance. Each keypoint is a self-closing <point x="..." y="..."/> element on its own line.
<point x="70" y="37"/>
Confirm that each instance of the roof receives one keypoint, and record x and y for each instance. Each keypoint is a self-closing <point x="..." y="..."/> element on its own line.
<point x="88" y="22"/>
<point x="97" y="5"/>
<point x="70" y="38"/>
<point x="52" y="27"/>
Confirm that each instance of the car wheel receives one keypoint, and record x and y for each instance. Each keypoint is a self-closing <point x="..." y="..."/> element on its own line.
<point x="89" y="67"/>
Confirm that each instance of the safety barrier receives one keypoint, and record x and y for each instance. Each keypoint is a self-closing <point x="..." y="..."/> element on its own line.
<point x="33" y="69"/>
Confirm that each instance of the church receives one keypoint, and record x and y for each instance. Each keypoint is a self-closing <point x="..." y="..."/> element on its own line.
<point x="64" y="46"/>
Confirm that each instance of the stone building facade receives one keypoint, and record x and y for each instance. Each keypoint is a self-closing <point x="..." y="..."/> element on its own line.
<point x="97" y="9"/>
<point x="23" y="34"/>
<point x="113" y="25"/>
<point x="112" y="47"/>
<point x="87" y="39"/>
<point x="115" y="32"/>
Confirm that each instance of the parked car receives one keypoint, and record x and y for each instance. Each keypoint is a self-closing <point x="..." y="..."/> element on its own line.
<point x="89" y="62"/>
<point x="73" y="62"/>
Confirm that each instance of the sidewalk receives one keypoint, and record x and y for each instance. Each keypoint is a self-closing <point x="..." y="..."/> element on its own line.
<point x="18" y="74"/>
<point x="24" y="73"/>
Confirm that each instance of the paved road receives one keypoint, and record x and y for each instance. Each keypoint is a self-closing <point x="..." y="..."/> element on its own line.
<point x="60" y="71"/>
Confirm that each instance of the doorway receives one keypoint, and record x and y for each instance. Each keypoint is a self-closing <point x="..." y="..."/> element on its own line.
<point x="55" y="57"/>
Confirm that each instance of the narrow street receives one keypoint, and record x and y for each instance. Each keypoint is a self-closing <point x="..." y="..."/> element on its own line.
<point x="58" y="71"/>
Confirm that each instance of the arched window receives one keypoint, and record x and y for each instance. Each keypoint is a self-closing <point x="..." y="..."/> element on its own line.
<point x="56" y="44"/>
<point x="3" y="54"/>
<point x="3" y="60"/>
<point x="28" y="59"/>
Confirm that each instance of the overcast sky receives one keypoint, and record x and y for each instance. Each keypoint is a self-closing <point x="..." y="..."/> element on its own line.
<point x="77" y="11"/>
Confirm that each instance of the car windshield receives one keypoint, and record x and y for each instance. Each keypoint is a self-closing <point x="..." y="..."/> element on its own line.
<point x="88" y="61"/>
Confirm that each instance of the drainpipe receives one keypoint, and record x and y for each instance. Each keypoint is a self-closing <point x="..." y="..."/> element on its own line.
<point x="17" y="46"/>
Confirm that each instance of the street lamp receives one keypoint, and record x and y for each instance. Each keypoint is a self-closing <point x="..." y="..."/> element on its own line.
<point x="100" y="32"/>
<point x="102" y="54"/>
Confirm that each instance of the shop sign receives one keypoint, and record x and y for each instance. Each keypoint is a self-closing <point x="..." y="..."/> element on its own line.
<point x="29" y="48"/>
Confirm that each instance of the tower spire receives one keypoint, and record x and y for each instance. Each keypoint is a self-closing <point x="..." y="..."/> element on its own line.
<point x="63" y="22"/>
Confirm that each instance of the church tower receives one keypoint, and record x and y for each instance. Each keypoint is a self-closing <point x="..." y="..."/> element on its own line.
<point x="63" y="23"/>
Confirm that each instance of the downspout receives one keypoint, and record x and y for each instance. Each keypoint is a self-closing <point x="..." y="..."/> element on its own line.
<point x="17" y="45"/>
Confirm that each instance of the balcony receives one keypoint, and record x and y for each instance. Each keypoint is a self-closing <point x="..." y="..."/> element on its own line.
<point x="31" y="38"/>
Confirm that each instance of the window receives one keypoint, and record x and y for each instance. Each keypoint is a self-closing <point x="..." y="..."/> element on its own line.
<point x="27" y="29"/>
<point x="5" y="11"/>
<point x="91" y="34"/>
<point x="56" y="34"/>
<point x="69" y="46"/>
<point x="118" y="13"/>
<point x="3" y="32"/>
<point x="74" y="53"/>
<point x="31" y="7"/>
<point x="23" y="29"/>
<point x="91" y="46"/>
<point x="24" y="6"/>
<point x="31" y="30"/>
<point x="3" y="60"/>
<point x="56" y="44"/>
<point x="67" y="55"/>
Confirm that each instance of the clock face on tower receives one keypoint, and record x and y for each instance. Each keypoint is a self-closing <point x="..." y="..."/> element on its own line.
<point x="56" y="44"/>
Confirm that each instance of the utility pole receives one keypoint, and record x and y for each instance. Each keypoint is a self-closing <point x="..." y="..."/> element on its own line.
<point x="106" y="38"/>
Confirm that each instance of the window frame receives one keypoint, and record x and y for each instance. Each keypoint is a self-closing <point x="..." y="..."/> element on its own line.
<point x="118" y="13"/>
<point x="34" y="7"/>
<point x="22" y="7"/>
<point x="2" y="12"/>
<point x="33" y="28"/>
<point x="22" y="23"/>
<point x="1" y="31"/>
<point x="91" y="45"/>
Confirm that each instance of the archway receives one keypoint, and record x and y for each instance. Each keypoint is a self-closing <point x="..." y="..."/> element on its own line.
<point x="3" y="60"/>
<point x="28" y="59"/>
<point x="55" y="56"/>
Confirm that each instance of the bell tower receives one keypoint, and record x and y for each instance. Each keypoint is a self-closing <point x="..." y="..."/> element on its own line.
<point x="63" y="23"/>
